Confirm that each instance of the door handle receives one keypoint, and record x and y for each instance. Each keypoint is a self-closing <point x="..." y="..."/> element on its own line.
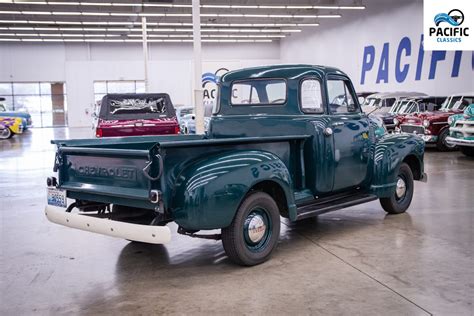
<point x="327" y="131"/>
<point x="337" y="124"/>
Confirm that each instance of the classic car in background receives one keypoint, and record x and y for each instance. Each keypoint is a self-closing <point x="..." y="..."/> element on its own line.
<point x="26" y="123"/>
<point x="433" y="126"/>
<point x="383" y="102"/>
<point x="187" y="119"/>
<point x="181" y="111"/>
<point x="408" y="106"/>
<point x="461" y="131"/>
<point x="10" y="126"/>
<point x="136" y="115"/>
<point x="188" y="124"/>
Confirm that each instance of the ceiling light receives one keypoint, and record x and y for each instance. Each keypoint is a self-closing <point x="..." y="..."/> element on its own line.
<point x="171" y="5"/>
<point x="160" y="23"/>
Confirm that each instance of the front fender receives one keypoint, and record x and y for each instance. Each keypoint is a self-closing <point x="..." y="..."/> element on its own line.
<point x="389" y="153"/>
<point x="208" y="193"/>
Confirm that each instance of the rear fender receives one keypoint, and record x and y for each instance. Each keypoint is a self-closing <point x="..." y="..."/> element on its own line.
<point x="390" y="152"/>
<point x="208" y="193"/>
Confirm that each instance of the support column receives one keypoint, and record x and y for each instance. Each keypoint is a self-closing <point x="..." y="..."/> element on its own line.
<point x="145" y="51"/>
<point x="197" y="54"/>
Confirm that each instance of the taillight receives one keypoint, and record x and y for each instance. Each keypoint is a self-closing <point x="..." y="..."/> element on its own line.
<point x="98" y="132"/>
<point x="176" y="129"/>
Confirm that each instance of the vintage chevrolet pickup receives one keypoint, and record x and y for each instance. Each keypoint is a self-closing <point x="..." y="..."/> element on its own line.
<point x="276" y="146"/>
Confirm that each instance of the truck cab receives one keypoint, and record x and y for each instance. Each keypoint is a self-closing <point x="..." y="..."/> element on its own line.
<point x="308" y="104"/>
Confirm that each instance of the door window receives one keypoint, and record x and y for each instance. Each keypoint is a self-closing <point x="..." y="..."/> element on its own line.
<point x="340" y="97"/>
<point x="310" y="96"/>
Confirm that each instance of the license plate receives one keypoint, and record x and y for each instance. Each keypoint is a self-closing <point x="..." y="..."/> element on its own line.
<point x="57" y="197"/>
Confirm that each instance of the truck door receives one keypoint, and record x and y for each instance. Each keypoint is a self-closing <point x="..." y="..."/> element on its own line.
<point x="350" y="133"/>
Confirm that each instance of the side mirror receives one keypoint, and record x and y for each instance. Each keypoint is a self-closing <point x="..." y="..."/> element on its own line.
<point x="193" y="117"/>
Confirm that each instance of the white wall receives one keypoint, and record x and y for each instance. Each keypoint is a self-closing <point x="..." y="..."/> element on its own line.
<point x="79" y="65"/>
<point x="341" y="43"/>
<point x="337" y="42"/>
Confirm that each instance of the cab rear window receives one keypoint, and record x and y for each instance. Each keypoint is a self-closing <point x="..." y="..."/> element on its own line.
<point x="259" y="92"/>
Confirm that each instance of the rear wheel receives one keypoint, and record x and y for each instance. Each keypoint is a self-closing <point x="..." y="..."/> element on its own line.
<point x="254" y="232"/>
<point x="442" y="144"/>
<point x="401" y="198"/>
<point x="5" y="133"/>
<point x="468" y="151"/>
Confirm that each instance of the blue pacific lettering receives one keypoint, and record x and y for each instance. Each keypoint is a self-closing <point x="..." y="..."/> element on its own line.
<point x="401" y="68"/>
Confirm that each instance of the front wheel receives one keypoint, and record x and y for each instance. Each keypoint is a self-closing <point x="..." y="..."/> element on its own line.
<point x="442" y="144"/>
<point x="468" y="151"/>
<point x="254" y="232"/>
<point x="401" y="198"/>
<point x="5" y="133"/>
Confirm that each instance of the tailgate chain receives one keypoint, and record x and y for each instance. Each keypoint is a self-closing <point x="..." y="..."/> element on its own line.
<point x="148" y="166"/>
<point x="58" y="161"/>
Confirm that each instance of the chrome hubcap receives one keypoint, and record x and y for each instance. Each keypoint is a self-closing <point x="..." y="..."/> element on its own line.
<point x="256" y="229"/>
<point x="401" y="188"/>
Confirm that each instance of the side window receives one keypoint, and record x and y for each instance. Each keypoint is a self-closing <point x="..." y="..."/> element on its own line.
<point x="340" y="98"/>
<point x="311" y="97"/>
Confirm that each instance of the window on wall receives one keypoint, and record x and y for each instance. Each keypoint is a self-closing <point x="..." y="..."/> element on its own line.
<point x="45" y="101"/>
<point x="102" y="88"/>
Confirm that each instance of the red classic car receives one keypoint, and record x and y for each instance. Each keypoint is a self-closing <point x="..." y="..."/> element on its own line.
<point x="433" y="126"/>
<point x="136" y="115"/>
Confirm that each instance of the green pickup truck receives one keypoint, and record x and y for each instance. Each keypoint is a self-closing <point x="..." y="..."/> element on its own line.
<point x="287" y="140"/>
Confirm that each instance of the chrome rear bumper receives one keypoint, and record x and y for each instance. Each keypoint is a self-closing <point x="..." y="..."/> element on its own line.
<point x="142" y="233"/>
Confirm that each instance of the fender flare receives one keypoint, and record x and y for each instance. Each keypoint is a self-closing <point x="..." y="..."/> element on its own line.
<point x="389" y="153"/>
<point x="209" y="191"/>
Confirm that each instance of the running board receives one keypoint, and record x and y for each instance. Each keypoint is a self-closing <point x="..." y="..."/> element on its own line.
<point x="321" y="207"/>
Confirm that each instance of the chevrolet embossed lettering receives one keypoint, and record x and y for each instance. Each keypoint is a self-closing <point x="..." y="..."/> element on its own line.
<point x="123" y="173"/>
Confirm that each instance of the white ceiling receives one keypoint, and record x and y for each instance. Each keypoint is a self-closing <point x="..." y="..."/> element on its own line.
<point x="167" y="20"/>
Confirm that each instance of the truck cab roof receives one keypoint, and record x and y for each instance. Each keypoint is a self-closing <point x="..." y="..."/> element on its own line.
<point x="285" y="71"/>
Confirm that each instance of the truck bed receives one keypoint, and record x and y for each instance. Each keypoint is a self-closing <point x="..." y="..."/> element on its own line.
<point x="124" y="170"/>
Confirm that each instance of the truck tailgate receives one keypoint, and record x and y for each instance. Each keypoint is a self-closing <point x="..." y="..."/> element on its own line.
<point x="122" y="173"/>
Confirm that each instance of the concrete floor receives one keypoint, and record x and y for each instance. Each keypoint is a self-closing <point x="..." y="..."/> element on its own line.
<point x="355" y="261"/>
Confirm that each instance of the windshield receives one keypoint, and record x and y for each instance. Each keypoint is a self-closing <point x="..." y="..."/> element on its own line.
<point x="408" y="107"/>
<point x="450" y="103"/>
<point x="397" y="105"/>
<point x="372" y="102"/>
